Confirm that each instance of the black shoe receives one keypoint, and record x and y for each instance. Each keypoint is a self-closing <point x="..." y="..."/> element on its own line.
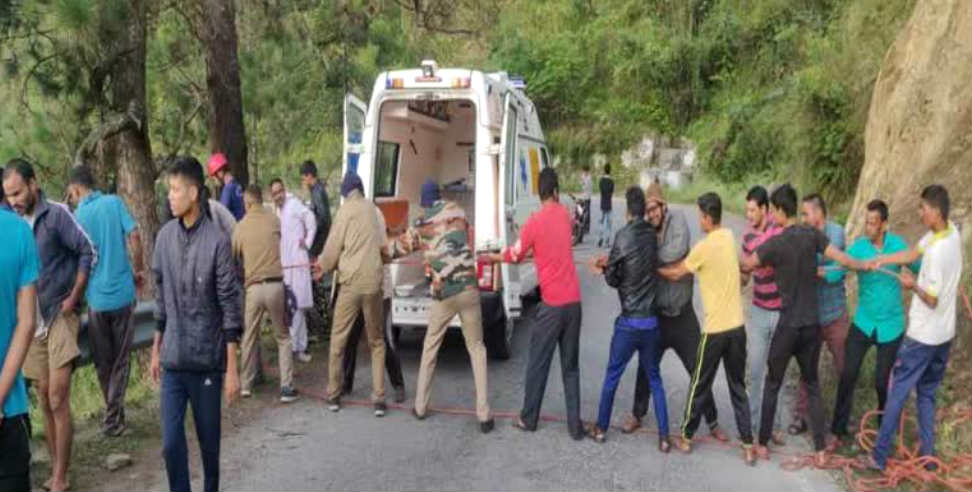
<point x="288" y="394"/>
<point x="416" y="415"/>
<point x="487" y="426"/>
<point x="380" y="409"/>
<point x="799" y="426"/>
<point x="399" y="394"/>
<point x="584" y="432"/>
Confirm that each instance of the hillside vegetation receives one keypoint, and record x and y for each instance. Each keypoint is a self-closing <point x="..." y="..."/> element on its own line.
<point x="767" y="89"/>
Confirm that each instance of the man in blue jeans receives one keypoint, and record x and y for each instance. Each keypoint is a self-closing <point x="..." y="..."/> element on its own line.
<point x="198" y="311"/>
<point x="631" y="270"/>
<point x="923" y="354"/>
<point x="19" y="267"/>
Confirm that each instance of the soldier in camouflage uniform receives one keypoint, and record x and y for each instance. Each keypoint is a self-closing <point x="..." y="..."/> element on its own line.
<point x="443" y="236"/>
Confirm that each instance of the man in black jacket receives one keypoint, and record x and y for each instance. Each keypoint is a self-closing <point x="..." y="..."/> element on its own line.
<point x="319" y="205"/>
<point x="606" y="186"/>
<point x="199" y="323"/>
<point x="631" y="270"/>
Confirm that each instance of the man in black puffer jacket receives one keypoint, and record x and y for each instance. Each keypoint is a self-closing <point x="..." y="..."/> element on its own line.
<point x="631" y="270"/>
<point x="199" y="315"/>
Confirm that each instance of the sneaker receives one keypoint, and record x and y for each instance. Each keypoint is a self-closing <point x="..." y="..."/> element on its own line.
<point x="799" y="426"/>
<point x="288" y="394"/>
<point x="246" y="393"/>
<point x="487" y="426"/>
<point x="334" y="404"/>
<point x="304" y="357"/>
<point x="380" y="409"/>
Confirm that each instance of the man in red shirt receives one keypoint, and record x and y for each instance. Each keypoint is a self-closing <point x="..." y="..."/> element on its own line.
<point x="547" y="234"/>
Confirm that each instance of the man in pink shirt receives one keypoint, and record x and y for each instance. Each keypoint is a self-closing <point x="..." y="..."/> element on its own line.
<point x="547" y="234"/>
<point x="764" y="314"/>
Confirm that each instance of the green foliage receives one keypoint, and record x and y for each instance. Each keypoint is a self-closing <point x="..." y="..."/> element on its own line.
<point x="769" y="89"/>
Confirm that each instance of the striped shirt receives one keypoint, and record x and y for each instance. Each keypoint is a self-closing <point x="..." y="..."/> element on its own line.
<point x="765" y="293"/>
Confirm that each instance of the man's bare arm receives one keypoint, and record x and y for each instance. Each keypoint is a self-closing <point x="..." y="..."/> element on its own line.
<point x="844" y="259"/>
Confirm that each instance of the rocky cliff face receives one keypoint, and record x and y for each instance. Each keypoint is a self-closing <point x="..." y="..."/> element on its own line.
<point x="919" y="128"/>
<point x="919" y="132"/>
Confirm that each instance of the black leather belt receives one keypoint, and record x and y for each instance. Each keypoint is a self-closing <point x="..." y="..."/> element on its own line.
<point x="271" y="280"/>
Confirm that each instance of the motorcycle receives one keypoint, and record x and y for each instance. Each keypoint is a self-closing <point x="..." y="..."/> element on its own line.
<point x="580" y="219"/>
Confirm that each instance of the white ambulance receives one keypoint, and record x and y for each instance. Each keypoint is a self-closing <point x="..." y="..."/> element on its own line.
<point x="479" y="137"/>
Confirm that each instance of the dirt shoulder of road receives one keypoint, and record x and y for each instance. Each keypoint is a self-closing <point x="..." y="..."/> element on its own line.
<point x="142" y="440"/>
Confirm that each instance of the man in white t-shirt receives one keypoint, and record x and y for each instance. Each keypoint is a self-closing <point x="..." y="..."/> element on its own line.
<point x="923" y="355"/>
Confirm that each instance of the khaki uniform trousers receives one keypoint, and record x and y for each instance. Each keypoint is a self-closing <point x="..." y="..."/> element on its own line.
<point x="346" y="310"/>
<point x="265" y="298"/>
<point x="467" y="306"/>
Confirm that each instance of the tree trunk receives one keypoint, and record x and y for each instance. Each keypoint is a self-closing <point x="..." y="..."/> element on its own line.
<point x="217" y="29"/>
<point x="129" y="145"/>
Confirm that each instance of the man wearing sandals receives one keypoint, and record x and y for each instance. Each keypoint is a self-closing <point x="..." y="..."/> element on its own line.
<point x="923" y="354"/>
<point x="793" y="256"/>
<point x="678" y="325"/>
<point x="715" y="262"/>
<point x="631" y="270"/>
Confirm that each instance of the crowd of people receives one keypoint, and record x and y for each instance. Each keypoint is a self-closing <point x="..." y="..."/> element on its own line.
<point x="223" y="268"/>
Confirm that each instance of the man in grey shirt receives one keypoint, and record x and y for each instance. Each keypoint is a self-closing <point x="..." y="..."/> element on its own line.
<point x="680" y="330"/>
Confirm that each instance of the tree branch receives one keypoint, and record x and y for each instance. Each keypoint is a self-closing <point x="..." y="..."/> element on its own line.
<point x="30" y="75"/>
<point x="114" y="124"/>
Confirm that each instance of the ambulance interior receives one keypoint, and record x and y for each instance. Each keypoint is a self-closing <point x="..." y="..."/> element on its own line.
<point x="417" y="141"/>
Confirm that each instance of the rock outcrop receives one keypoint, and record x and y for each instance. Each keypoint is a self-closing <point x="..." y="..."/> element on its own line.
<point x="919" y="128"/>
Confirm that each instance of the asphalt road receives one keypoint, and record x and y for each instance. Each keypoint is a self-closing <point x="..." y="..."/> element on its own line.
<point x="304" y="447"/>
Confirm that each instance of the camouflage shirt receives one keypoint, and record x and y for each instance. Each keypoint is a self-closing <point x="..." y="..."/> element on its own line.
<point x="444" y="238"/>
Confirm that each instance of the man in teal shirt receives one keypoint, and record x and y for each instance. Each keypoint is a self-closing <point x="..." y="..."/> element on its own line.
<point x="111" y="291"/>
<point x="879" y="320"/>
<point x="18" y="299"/>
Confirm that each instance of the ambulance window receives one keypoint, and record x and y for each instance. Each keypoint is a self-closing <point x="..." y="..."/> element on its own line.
<point x="386" y="169"/>
<point x="544" y="158"/>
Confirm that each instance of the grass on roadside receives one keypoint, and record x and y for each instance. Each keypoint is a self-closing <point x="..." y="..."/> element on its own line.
<point x="951" y="438"/>
<point x="90" y="446"/>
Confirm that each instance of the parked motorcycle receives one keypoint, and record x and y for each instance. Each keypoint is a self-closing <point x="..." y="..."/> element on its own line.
<point x="580" y="219"/>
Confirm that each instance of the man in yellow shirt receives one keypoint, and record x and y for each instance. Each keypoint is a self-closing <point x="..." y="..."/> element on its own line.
<point x="714" y="261"/>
